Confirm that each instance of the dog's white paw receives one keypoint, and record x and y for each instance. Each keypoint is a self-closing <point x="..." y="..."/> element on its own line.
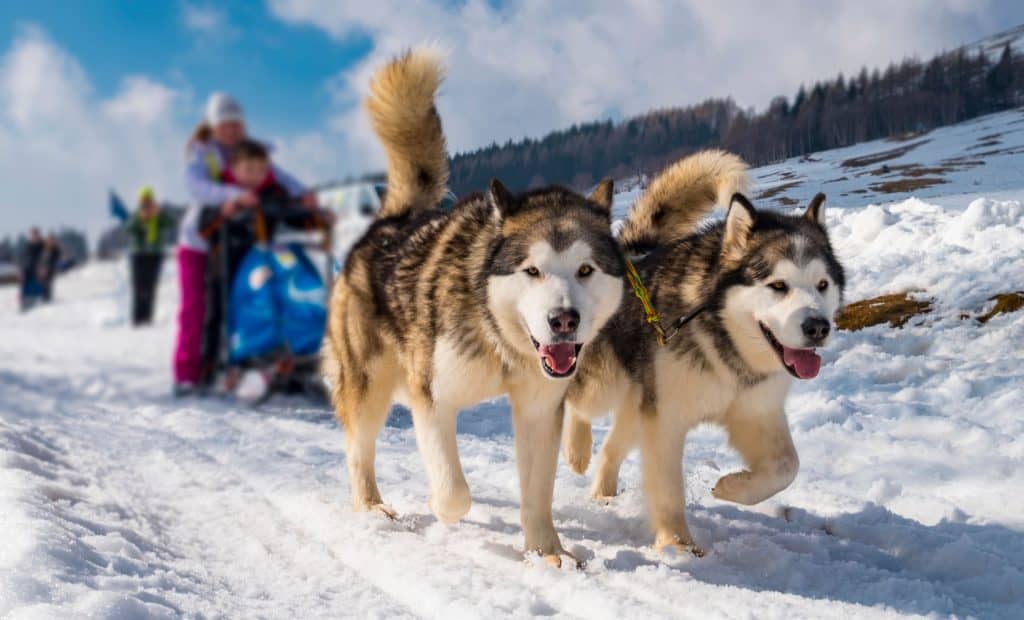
<point x="552" y="555"/>
<point x="605" y="488"/>
<point x="451" y="506"/>
<point x="577" y="459"/>
<point x="387" y="511"/>
<point x="555" y="560"/>
<point x="677" y="545"/>
<point x="733" y="487"/>
<point x="578" y="443"/>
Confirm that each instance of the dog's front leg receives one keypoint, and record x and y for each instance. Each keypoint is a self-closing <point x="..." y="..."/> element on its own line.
<point x="578" y="441"/>
<point x="763" y="440"/>
<point x="663" y="436"/>
<point x="538" y="429"/>
<point x="621" y="439"/>
<point x="435" y="435"/>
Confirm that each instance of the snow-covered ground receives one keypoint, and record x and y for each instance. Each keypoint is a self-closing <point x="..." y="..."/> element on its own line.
<point x="119" y="501"/>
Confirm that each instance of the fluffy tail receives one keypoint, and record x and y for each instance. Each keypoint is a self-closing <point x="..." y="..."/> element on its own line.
<point x="401" y="107"/>
<point x="680" y="197"/>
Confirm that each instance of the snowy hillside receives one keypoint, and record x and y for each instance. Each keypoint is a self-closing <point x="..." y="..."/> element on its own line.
<point x="978" y="157"/>
<point x="118" y="501"/>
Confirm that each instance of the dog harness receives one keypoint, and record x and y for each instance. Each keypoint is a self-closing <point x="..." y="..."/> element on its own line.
<point x="651" y="315"/>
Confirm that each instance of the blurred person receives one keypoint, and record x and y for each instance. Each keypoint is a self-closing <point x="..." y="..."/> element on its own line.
<point x="207" y="154"/>
<point x="49" y="265"/>
<point x="29" y="264"/>
<point x="147" y="228"/>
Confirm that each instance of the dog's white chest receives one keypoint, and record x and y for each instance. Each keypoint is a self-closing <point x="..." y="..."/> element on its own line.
<point x="460" y="380"/>
<point x="690" y="392"/>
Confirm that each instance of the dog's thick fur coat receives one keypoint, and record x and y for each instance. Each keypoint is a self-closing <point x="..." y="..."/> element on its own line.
<point x="764" y="282"/>
<point x="439" y="310"/>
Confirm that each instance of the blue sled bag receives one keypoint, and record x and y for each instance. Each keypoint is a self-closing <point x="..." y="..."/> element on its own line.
<point x="302" y="299"/>
<point x="253" y="325"/>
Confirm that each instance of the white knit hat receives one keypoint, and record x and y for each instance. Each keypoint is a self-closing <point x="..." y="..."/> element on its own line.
<point x="221" y="108"/>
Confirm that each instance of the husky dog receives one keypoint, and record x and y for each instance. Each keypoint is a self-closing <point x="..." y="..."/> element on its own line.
<point x="439" y="310"/>
<point x="761" y="289"/>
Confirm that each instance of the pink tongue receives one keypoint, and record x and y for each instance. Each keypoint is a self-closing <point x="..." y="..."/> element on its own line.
<point x="559" y="357"/>
<point x="804" y="362"/>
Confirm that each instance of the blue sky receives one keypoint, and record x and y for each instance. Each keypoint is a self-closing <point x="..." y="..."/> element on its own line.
<point x="278" y="69"/>
<point x="103" y="93"/>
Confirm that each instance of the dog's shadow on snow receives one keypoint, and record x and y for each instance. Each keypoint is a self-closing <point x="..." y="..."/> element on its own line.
<point x="872" y="557"/>
<point x="486" y="420"/>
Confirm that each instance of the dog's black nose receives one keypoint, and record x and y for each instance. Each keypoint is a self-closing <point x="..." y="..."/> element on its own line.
<point x="564" y="321"/>
<point x="815" y="328"/>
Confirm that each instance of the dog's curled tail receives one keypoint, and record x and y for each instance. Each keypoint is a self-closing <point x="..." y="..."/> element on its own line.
<point x="680" y="197"/>
<point x="401" y="107"/>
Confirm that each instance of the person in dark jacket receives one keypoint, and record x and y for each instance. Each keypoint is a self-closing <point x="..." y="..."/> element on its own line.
<point x="49" y="265"/>
<point x="147" y="229"/>
<point x="30" y="267"/>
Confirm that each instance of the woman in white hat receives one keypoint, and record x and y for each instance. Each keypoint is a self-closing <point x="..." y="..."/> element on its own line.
<point x="208" y="153"/>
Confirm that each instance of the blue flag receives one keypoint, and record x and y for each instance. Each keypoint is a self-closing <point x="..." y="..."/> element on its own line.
<point x="117" y="208"/>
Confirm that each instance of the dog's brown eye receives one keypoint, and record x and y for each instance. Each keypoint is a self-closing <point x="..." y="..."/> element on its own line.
<point x="533" y="272"/>
<point x="584" y="271"/>
<point x="778" y="286"/>
<point x="822" y="286"/>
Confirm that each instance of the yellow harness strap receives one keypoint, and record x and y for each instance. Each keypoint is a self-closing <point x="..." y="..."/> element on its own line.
<point x="213" y="165"/>
<point x="641" y="293"/>
<point x="260" y="224"/>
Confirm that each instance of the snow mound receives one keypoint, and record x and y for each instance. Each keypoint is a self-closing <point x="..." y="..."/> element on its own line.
<point x="911" y="245"/>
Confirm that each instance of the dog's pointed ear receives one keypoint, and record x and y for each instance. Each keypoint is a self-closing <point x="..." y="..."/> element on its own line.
<point x="502" y="199"/>
<point x="739" y="223"/>
<point x="816" y="210"/>
<point x="603" y="195"/>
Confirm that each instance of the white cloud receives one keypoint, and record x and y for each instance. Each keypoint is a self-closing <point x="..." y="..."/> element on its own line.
<point x="534" y="66"/>
<point x="61" y="147"/>
<point x="140" y="100"/>
<point x="33" y="98"/>
<point x="203" y="19"/>
<point x="311" y="156"/>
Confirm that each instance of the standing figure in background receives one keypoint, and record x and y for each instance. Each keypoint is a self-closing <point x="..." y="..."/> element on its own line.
<point x="49" y="265"/>
<point x="29" y="267"/>
<point x="147" y="229"/>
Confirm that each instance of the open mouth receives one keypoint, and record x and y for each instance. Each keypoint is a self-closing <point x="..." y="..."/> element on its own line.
<point x="801" y="363"/>
<point x="558" y="359"/>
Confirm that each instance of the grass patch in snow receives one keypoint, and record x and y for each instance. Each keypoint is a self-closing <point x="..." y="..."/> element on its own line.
<point x="907" y="136"/>
<point x="880" y="156"/>
<point x="898" y="308"/>
<point x="778" y="189"/>
<point x="901" y="186"/>
<point x="1005" y="303"/>
<point x="895" y="309"/>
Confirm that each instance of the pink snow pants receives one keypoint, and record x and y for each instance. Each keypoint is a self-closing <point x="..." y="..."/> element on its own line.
<point x="187" y="351"/>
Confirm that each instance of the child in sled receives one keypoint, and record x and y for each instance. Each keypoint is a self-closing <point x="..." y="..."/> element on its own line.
<point x="269" y="300"/>
<point x="208" y="157"/>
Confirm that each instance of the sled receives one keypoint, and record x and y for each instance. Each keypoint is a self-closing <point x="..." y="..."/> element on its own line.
<point x="271" y="269"/>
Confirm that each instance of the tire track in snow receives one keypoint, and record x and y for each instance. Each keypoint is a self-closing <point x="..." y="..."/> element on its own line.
<point x="271" y="551"/>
